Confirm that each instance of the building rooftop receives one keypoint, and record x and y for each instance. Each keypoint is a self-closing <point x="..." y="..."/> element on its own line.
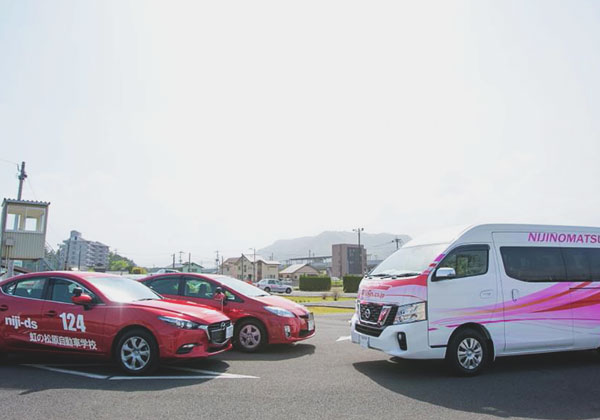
<point x="292" y="268"/>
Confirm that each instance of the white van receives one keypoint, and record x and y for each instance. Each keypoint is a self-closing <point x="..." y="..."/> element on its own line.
<point x="472" y="294"/>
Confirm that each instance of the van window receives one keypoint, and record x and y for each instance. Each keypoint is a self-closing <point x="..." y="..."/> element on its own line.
<point x="467" y="261"/>
<point x="577" y="264"/>
<point x="536" y="264"/>
<point x="594" y="259"/>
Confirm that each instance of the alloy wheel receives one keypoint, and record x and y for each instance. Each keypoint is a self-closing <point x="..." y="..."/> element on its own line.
<point x="135" y="353"/>
<point x="250" y="336"/>
<point x="470" y="353"/>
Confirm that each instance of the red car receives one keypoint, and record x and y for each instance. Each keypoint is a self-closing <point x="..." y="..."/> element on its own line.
<point x="258" y="317"/>
<point x="107" y="316"/>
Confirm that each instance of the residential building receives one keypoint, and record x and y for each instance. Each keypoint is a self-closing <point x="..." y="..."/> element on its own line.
<point x="83" y="254"/>
<point x="294" y="271"/>
<point x="348" y="259"/>
<point x="249" y="267"/>
<point x="188" y="267"/>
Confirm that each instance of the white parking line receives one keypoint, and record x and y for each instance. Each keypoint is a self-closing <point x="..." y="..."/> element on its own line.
<point x="343" y="338"/>
<point x="216" y="374"/>
<point x="69" y="372"/>
<point x="206" y="374"/>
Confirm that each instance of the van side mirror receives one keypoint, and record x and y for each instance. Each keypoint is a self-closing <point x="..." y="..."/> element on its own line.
<point x="443" y="273"/>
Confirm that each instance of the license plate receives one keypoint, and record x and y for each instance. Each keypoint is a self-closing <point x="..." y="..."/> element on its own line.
<point x="364" y="341"/>
<point x="229" y="332"/>
<point x="311" y="325"/>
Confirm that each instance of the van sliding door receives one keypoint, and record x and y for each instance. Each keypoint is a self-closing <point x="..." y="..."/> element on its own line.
<point x="536" y="295"/>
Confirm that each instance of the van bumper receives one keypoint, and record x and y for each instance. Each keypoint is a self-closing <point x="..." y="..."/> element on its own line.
<point x="389" y="341"/>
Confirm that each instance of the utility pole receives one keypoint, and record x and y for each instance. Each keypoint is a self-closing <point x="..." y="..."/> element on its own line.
<point x="67" y="255"/>
<point x="242" y="262"/>
<point x="180" y="254"/>
<point x="79" y="258"/>
<point x="254" y="266"/>
<point x="398" y="242"/>
<point x="217" y="261"/>
<point x="222" y="261"/>
<point x="189" y="261"/>
<point x="22" y="176"/>
<point x="173" y="255"/>
<point x="358" y="230"/>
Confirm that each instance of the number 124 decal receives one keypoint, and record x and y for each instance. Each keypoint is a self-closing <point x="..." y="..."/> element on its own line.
<point x="72" y="322"/>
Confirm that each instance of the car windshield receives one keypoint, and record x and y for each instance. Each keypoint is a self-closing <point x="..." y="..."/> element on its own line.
<point x="409" y="261"/>
<point x="241" y="287"/>
<point x="122" y="289"/>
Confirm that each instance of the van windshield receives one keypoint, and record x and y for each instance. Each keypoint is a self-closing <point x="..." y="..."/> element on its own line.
<point x="409" y="261"/>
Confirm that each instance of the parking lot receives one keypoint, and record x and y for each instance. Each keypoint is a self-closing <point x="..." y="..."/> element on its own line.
<point x="325" y="377"/>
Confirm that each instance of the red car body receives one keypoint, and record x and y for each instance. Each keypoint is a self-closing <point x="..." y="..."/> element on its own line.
<point x="238" y="306"/>
<point x="37" y="313"/>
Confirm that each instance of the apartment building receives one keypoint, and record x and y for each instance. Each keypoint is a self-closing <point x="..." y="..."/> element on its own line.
<point x="83" y="254"/>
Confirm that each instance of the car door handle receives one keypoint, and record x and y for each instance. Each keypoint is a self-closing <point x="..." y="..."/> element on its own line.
<point x="485" y="294"/>
<point x="515" y="294"/>
<point x="3" y="308"/>
<point x="51" y="313"/>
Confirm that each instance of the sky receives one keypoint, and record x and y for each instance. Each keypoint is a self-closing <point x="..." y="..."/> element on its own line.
<point x="158" y="127"/>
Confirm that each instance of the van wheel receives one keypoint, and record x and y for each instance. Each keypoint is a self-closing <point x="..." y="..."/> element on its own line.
<point x="137" y="353"/>
<point x="467" y="353"/>
<point x="250" y="336"/>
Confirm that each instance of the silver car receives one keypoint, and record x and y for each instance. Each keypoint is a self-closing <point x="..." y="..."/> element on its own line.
<point x="273" y="285"/>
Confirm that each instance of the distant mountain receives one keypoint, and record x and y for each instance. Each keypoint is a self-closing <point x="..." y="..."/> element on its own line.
<point x="378" y="245"/>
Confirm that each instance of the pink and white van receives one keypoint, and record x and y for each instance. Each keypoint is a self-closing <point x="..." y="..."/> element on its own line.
<point x="472" y="294"/>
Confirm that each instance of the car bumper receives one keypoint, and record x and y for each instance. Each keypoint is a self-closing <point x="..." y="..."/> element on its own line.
<point x="184" y="344"/>
<point x="290" y="330"/>
<point x="409" y="341"/>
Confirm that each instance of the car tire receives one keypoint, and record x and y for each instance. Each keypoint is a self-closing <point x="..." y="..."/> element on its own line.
<point x="249" y="336"/>
<point x="267" y="289"/>
<point x="468" y="352"/>
<point x="136" y="352"/>
<point x="288" y="291"/>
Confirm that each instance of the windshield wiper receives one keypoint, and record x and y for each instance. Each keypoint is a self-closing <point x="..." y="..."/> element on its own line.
<point x="139" y="300"/>
<point x="406" y="275"/>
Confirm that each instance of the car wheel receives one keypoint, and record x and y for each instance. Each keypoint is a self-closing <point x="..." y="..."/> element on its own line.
<point x="137" y="353"/>
<point x="250" y="336"/>
<point x="288" y="290"/>
<point x="267" y="289"/>
<point x="467" y="353"/>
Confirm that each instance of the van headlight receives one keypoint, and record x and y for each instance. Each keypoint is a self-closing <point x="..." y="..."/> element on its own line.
<point x="411" y="313"/>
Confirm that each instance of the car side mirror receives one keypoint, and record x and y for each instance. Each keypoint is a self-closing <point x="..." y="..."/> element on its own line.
<point x="443" y="273"/>
<point x="83" y="300"/>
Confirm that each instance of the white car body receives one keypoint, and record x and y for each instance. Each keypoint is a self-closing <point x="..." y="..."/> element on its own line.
<point x="527" y="288"/>
<point x="273" y="285"/>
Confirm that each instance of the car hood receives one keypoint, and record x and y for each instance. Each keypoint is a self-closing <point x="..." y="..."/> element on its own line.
<point x="284" y="303"/>
<point x="397" y="291"/>
<point x="204" y="314"/>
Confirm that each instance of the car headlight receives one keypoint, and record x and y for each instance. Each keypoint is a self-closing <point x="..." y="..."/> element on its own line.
<point x="181" y="323"/>
<point x="279" y="311"/>
<point x="411" y="313"/>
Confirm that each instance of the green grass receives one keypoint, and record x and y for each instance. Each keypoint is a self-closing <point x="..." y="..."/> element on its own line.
<point x="311" y="299"/>
<point x="321" y="310"/>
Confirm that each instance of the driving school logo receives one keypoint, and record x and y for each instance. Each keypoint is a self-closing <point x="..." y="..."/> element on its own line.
<point x="16" y="322"/>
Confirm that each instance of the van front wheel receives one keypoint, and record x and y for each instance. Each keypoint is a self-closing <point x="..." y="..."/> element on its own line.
<point x="467" y="353"/>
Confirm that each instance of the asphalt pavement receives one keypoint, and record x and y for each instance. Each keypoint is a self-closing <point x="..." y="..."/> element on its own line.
<point x="325" y="377"/>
